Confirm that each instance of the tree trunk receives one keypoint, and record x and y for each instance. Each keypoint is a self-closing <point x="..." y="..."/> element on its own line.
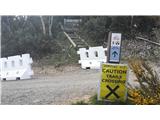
<point x="43" y="25"/>
<point x="50" y="25"/>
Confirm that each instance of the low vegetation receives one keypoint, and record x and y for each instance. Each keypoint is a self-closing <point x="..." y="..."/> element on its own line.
<point x="149" y="90"/>
<point x="147" y="93"/>
<point x="94" y="101"/>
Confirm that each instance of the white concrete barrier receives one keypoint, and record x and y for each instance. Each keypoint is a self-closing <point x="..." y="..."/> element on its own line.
<point x="93" y="57"/>
<point x="16" y="67"/>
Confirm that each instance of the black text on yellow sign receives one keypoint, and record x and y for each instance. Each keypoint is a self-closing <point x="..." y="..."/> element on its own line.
<point x="113" y="82"/>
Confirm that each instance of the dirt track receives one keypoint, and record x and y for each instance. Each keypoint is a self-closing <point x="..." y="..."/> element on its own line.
<point x="49" y="86"/>
<point x="61" y="88"/>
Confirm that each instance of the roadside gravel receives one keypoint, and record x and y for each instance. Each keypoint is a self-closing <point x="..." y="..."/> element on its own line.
<point x="55" y="86"/>
<point x="61" y="88"/>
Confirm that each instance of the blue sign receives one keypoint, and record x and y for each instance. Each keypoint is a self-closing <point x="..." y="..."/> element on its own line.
<point x="114" y="54"/>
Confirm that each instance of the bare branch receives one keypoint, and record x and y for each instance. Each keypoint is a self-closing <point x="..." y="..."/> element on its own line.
<point x="155" y="43"/>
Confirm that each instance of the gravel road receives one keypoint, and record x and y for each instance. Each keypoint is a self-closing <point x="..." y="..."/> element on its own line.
<point x="62" y="88"/>
<point x="49" y="86"/>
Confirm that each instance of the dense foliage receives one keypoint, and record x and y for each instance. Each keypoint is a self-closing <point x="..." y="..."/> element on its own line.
<point x="39" y="35"/>
<point x="24" y="34"/>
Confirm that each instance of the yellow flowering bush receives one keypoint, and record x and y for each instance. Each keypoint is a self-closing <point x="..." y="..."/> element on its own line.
<point x="149" y="91"/>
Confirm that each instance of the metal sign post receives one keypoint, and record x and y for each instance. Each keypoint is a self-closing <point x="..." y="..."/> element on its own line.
<point x="114" y="45"/>
<point x="112" y="86"/>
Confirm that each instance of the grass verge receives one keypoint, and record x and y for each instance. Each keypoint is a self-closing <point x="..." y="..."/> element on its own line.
<point x="94" y="101"/>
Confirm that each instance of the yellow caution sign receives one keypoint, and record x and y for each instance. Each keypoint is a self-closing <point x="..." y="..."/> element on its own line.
<point x="113" y="82"/>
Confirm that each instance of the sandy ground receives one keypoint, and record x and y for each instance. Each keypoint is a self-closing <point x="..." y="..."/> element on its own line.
<point x="64" y="85"/>
<point x="60" y="87"/>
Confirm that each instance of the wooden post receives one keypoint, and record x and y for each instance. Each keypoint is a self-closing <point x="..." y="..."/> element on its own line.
<point x="74" y="45"/>
<point x="109" y="46"/>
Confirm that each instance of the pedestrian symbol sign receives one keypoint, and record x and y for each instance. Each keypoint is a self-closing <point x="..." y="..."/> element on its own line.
<point x="115" y="48"/>
<point x="112" y="85"/>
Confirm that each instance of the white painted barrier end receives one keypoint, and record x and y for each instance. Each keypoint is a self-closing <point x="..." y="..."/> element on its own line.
<point x="16" y="67"/>
<point x="93" y="57"/>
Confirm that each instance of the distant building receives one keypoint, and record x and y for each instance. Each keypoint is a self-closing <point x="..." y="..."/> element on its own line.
<point x="72" y="24"/>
